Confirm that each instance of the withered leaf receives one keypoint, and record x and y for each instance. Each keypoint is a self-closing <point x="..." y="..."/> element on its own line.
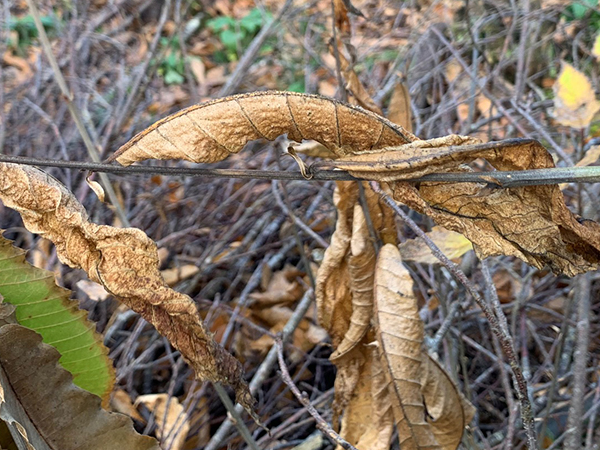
<point x="125" y="263"/>
<point x="399" y="332"/>
<point x="361" y="270"/>
<point x="448" y="411"/>
<point x="368" y="421"/>
<point x="209" y="132"/>
<point x="332" y="289"/>
<point x="43" y="407"/>
<point x="532" y="223"/>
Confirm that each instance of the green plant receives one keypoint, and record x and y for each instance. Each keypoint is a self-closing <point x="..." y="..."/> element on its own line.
<point x="235" y="35"/>
<point x="26" y="30"/>
<point x="172" y="67"/>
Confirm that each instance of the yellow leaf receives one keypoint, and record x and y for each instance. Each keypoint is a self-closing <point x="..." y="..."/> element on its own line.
<point x="575" y="103"/>
<point x="596" y="48"/>
<point x="452" y="244"/>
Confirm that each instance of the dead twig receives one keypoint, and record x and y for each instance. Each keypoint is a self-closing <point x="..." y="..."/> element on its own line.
<point x="303" y="398"/>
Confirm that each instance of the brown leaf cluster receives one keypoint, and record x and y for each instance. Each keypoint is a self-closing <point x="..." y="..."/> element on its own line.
<point x="384" y="377"/>
<point x="125" y="263"/>
<point x="532" y="223"/>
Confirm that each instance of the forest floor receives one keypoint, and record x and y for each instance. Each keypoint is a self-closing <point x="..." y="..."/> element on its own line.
<point x="478" y="68"/>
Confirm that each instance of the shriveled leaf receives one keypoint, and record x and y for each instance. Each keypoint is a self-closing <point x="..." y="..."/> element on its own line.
<point x="172" y="425"/>
<point x="210" y="132"/>
<point x="452" y="244"/>
<point x="378" y="435"/>
<point x="333" y="282"/>
<point x="399" y="110"/>
<point x="43" y="407"/>
<point x="399" y="332"/>
<point x="368" y="423"/>
<point x="46" y="308"/>
<point x="448" y="411"/>
<point x="575" y="102"/>
<point x="125" y="262"/>
<point x="532" y="223"/>
<point x="361" y="270"/>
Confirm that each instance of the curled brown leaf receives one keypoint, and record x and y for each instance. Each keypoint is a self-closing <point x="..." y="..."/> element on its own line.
<point x="125" y="263"/>
<point x="399" y="332"/>
<point x="361" y="270"/>
<point x="209" y="132"/>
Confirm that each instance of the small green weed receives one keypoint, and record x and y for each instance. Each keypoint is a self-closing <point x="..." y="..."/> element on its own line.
<point x="27" y="32"/>
<point x="172" y="67"/>
<point x="235" y="35"/>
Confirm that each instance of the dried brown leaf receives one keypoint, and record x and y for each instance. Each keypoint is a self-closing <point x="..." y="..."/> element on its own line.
<point x="532" y="223"/>
<point x="282" y="288"/>
<point x="368" y="423"/>
<point x="125" y="262"/>
<point x="399" y="110"/>
<point x="448" y="411"/>
<point x="210" y="132"/>
<point x="333" y="283"/>
<point x="361" y="270"/>
<point x="172" y="424"/>
<point x="399" y="332"/>
<point x="43" y="407"/>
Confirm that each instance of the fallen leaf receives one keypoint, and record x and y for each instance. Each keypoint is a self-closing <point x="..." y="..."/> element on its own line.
<point x="120" y="401"/>
<point x="171" y="420"/>
<point x="452" y="244"/>
<point x="575" y="102"/>
<point x="282" y="288"/>
<point x="93" y="290"/>
<point x="176" y="274"/>
<point x="591" y="156"/>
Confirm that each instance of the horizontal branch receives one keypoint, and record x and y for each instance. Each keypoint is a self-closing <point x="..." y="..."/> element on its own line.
<point x="499" y="179"/>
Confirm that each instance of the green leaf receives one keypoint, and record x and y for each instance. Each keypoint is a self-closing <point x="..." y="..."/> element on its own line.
<point x="252" y="21"/>
<point x="173" y="77"/>
<point x="220" y="23"/>
<point x="46" y="308"/>
<point x="230" y="39"/>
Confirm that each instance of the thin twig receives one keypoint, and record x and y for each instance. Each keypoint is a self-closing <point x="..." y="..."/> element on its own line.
<point x="302" y="398"/>
<point x="519" y="380"/>
<point x="246" y="61"/>
<point x="239" y="423"/>
<point x="265" y="368"/>
<point x="574" y="424"/>
<point x="62" y="84"/>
